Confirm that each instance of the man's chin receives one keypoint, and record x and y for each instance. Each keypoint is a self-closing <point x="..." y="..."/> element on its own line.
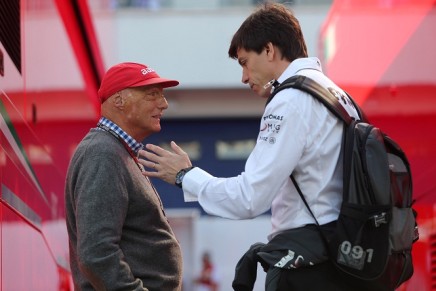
<point x="261" y="92"/>
<point x="265" y="93"/>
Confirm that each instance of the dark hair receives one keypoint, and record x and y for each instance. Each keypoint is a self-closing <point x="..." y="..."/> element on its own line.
<point x="271" y="22"/>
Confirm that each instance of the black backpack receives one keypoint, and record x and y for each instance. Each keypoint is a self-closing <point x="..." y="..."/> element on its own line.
<point x="377" y="225"/>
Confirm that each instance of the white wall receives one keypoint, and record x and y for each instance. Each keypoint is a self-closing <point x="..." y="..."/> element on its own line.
<point x="188" y="45"/>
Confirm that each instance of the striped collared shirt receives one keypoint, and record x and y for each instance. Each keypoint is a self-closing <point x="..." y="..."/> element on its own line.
<point x="115" y="129"/>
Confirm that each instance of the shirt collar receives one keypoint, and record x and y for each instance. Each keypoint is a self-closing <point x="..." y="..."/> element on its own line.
<point x="130" y="141"/>
<point x="298" y="65"/>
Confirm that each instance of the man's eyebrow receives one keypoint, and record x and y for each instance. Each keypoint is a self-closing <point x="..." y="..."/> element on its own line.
<point x="151" y="90"/>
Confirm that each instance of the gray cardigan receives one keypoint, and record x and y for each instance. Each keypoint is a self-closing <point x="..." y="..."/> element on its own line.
<point x="119" y="237"/>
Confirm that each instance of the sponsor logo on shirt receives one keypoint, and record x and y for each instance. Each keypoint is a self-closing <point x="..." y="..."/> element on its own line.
<point x="269" y="139"/>
<point x="274" y="117"/>
<point x="271" y="127"/>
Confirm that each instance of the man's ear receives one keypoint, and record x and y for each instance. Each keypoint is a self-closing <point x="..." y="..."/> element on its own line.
<point x="118" y="100"/>
<point x="270" y="50"/>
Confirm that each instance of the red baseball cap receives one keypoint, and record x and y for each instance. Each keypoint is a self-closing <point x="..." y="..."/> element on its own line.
<point x="126" y="75"/>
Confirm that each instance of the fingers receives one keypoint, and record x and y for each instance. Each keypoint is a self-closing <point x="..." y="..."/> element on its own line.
<point x="147" y="163"/>
<point x="151" y="165"/>
<point x="148" y="159"/>
<point x="163" y="164"/>
<point x="150" y="174"/>
<point x="156" y="149"/>
<point x="167" y="160"/>
<point x="150" y="156"/>
<point x="162" y="152"/>
<point x="177" y="149"/>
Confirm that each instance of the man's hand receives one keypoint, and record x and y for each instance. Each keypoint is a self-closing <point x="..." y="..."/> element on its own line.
<point x="165" y="164"/>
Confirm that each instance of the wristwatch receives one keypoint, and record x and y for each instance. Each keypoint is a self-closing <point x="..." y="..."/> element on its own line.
<point x="180" y="175"/>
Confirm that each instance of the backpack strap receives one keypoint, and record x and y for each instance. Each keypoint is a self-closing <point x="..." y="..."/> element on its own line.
<point x="311" y="87"/>
<point x="305" y="202"/>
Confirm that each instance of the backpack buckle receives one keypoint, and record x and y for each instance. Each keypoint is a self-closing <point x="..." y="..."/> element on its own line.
<point x="380" y="219"/>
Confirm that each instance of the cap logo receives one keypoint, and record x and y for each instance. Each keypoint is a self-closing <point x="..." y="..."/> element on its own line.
<point x="146" y="71"/>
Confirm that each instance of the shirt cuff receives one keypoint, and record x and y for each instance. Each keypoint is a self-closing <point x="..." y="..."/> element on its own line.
<point x="193" y="182"/>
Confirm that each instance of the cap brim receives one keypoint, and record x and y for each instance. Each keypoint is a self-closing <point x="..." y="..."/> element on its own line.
<point x="165" y="83"/>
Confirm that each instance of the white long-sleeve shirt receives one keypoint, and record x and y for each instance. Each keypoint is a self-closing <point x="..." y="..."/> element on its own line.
<point x="298" y="135"/>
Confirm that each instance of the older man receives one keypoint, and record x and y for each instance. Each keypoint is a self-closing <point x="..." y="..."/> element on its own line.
<point x="119" y="236"/>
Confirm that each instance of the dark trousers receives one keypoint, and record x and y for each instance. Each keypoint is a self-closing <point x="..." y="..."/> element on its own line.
<point x="322" y="276"/>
